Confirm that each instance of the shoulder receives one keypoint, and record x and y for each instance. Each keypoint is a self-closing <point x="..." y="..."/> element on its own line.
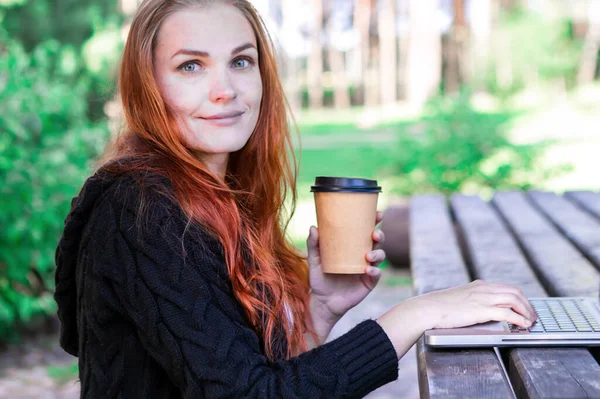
<point x="142" y="198"/>
<point x="133" y="187"/>
<point x="136" y="215"/>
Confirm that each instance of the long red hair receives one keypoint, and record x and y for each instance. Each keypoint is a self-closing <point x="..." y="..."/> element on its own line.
<point x="246" y="213"/>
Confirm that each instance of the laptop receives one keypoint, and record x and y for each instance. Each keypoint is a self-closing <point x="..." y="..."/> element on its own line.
<point x="562" y="321"/>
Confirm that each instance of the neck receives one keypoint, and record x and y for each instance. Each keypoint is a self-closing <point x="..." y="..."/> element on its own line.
<point x="216" y="163"/>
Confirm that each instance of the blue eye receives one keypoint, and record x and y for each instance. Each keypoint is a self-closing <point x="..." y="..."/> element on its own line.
<point x="189" y="67"/>
<point x="242" y="63"/>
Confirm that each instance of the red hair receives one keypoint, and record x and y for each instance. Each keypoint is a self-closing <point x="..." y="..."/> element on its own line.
<point x="246" y="213"/>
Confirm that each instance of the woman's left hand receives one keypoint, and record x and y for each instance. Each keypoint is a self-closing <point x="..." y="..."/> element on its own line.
<point x="334" y="294"/>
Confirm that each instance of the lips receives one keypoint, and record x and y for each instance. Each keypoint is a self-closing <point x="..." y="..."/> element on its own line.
<point x="223" y="115"/>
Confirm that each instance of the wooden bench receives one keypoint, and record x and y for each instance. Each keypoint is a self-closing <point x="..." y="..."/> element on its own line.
<point x="544" y="243"/>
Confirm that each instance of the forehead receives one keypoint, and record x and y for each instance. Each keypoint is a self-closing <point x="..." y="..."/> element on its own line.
<point x="215" y="29"/>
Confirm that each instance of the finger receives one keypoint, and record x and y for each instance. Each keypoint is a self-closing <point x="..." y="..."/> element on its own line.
<point x="507" y="314"/>
<point x="510" y="289"/>
<point x="514" y="301"/>
<point x="533" y="312"/>
<point x="372" y="277"/>
<point x="312" y="246"/>
<point x="378" y="217"/>
<point x="378" y="236"/>
<point x="376" y="257"/>
<point x="313" y="236"/>
<point x="500" y="287"/>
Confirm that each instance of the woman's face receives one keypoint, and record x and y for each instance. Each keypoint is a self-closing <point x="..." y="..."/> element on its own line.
<point x="207" y="69"/>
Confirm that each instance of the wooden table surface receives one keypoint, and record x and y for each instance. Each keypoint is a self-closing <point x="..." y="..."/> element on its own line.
<point x="546" y="244"/>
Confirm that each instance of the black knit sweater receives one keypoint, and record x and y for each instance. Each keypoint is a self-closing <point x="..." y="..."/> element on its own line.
<point x="150" y="311"/>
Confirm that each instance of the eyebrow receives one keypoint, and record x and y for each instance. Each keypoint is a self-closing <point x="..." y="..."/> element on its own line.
<point x="205" y="54"/>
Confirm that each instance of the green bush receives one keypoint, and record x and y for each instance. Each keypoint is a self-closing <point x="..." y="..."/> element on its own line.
<point x="46" y="145"/>
<point x="89" y="33"/>
<point x="456" y="148"/>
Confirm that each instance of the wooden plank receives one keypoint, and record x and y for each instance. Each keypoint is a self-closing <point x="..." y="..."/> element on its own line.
<point x="436" y="263"/>
<point x="434" y="251"/>
<point x="575" y="223"/>
<point x="563" y="270"/>
<point x="494" y="253"/>
<point x="496" y="256"/>
<point x="554" y="373"/>
<point x="459" y="374"/>
<point x="587" y="200"/>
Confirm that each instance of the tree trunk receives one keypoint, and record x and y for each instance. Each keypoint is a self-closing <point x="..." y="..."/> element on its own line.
<point x="372" y="77"/>
<point x="315" y="60"/>
<point x="403" y="12"/>
<point x="591" y="46"/>
<point x="362" y="21"/>
<point x="341" y="96"/>
<point x="386" y="17"/>
<point x="424" y="52"/>
<point x="503" y="60"/>
<point x="480" y="43"/>
<point x="456" y="38"/>
<point x="293" y="83"/>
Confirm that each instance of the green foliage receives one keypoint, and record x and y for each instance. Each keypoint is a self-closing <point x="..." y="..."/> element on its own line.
<point x="56" y="74"/>
<point x="63" y="374"/>
<point x="88" y="32"/>
<point x="68" y="21"/>
<point x="46" y="144"/>
<point x="535" y="50"/>
<point x="456" y="147"/>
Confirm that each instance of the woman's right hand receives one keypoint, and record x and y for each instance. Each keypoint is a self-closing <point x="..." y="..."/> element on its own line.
<point x="476" y="302"/>
<point x="473" y="303"/>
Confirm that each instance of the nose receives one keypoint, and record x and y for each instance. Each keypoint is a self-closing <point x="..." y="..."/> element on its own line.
<point x="221" y="88"/>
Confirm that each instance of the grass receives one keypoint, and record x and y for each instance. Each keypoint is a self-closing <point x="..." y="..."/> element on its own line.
<point x="338" y="146"/>
<point x="359" y="161"/>
<point x="395" y="281"/>
<point x="351" y="129"/>
<point x="64" y="373"/>
<point x="344" y="149"/>
<point x="327" y="130"/>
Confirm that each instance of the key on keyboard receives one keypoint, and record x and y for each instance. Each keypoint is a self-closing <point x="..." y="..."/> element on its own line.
<point x="555" y="315"/>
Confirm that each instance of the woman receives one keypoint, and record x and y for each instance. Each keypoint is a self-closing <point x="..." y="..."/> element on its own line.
<point x="174" y="277"/>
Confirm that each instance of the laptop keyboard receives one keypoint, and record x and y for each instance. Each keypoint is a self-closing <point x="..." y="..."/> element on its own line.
<point x="565" y="315"/>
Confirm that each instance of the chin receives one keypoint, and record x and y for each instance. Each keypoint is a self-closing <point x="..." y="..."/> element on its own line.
<point x="221" y="147"/>
<point x="210" y="139"/>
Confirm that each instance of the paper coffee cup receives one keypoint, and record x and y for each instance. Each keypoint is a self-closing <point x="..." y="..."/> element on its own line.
<point x="346" y="213"/>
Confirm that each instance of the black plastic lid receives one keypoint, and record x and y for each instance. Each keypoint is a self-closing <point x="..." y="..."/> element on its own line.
<point x="325" y="184"/>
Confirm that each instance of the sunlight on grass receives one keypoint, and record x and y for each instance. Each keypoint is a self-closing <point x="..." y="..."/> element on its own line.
<point x="357" y="116"/>
<point x="573" y="125"/>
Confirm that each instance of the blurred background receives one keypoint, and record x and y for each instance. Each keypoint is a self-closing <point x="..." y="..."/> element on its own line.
<point x="448" y="96"/>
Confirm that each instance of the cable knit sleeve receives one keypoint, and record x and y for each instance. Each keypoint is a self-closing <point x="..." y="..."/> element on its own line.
<point x="172" y="286"/>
